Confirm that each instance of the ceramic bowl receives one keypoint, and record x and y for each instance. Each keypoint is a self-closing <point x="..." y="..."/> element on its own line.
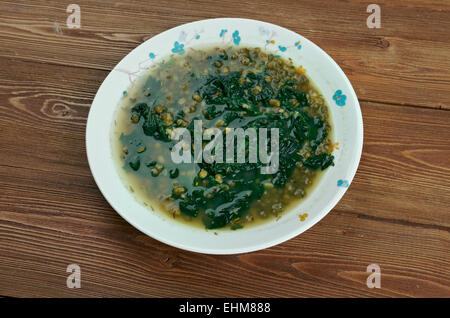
<point x="321" y="69"/>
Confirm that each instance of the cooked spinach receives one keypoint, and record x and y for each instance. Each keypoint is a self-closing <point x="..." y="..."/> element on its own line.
<point x="224" y="93"/>
<point x="321" y="161"/>
<point x="247" y="96"/>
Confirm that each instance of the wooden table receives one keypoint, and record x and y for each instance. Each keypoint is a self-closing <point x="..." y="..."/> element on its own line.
<point x="396" y="213"/>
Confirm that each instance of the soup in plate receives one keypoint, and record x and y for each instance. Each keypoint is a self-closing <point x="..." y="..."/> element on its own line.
<point x="222" y="137"/>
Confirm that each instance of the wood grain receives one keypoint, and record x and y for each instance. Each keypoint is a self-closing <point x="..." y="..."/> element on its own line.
<point x="395" y="214"/>
<point x="411" y="50"/>
<point x="53" y="215"/>
<point x="328" y="260"/>
<point x="405" y="165"/>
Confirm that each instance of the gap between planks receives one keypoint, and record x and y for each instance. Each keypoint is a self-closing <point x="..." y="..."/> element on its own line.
<point x="394" y="104"/>
<point x="397" y="221"/>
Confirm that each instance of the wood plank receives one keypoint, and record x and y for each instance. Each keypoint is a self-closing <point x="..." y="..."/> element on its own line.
<point x="395" y="214"/>
<point x="52" y="213"/>
<point x="387" y="65"/>
<point x="405" y="166"/>
<point x="403" y="174"/>
<point x="328" y="260"/>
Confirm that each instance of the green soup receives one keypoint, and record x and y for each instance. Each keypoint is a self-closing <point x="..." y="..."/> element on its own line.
<point x="225" y="89"/>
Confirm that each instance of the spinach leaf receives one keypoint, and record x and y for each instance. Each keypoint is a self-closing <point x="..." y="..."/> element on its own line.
<point x="321" y="161"/>
<point x="287" y="161"/>
<point x="153" y="126"/>
<point x="286" y="94"/>
<point x="309" y="128"/>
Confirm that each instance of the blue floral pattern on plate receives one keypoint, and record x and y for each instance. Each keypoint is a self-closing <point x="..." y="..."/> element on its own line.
<point x="342" y="183"/>
<point x="178" y="48"/>
<point x="236" y="37"/>
<point x="339" y="98"/>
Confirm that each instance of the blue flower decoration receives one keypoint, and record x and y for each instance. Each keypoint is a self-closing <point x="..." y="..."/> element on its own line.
<point x="124" y="93"/>
<point x="339" y="98"/>
<point x="152" y="55"/>
<point x="197" y="36"/>
<point x="222" y="32"/>
<point x="236" y="37"/>
<point x="342" y="183"/>
<point x="298" y="45"/>
<point x="282" y="48"/>
<point x="178" y="48"/>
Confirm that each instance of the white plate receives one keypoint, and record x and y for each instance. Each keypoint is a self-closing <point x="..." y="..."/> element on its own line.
<point x="324" y="72"/>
